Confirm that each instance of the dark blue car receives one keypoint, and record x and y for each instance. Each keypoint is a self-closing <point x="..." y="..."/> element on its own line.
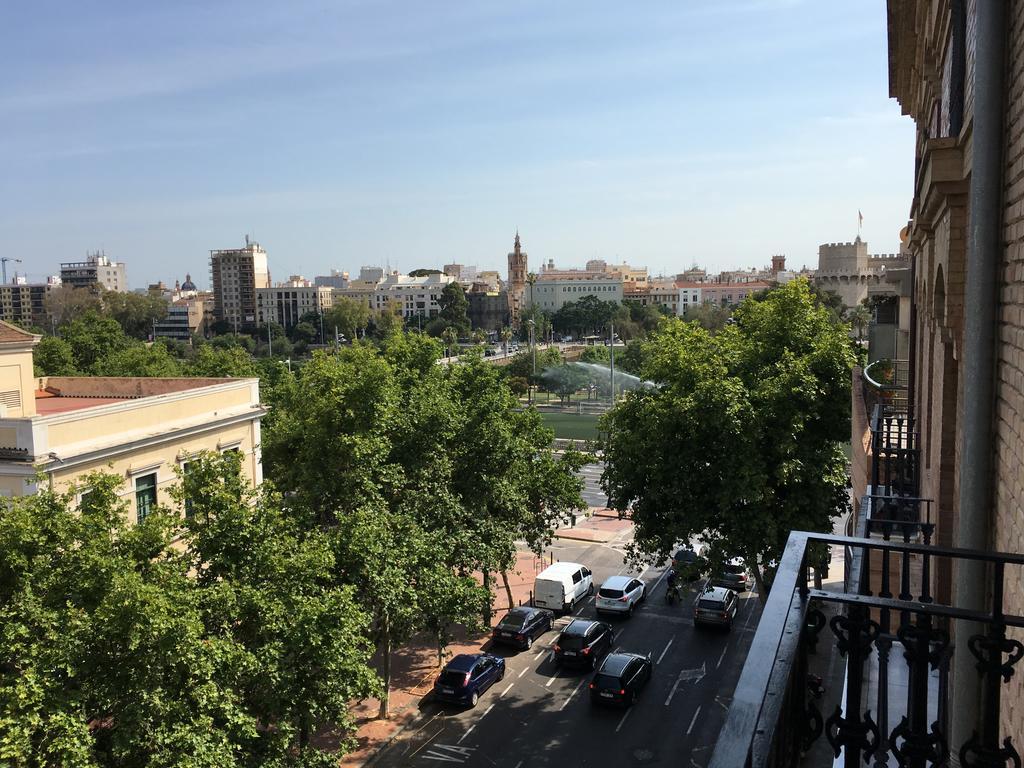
<point x="467" y="676"/>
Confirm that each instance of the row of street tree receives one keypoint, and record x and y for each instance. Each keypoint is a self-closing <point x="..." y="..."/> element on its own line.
<point x="397" y="490"/>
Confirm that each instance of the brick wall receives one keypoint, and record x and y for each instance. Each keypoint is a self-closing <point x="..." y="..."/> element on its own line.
<point x="1008" y="529"/>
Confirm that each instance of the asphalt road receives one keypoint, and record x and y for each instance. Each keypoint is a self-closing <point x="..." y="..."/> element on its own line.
<point x="540" y="715"/>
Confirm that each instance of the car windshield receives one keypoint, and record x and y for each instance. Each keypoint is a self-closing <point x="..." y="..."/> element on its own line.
<point x="571" y="642"/>
<point x="512" y="622"/>
<point x="611" y="594"/>
<point x="733" y="568"/>
<point x="606" y="681"/>
<point x="451" y="677"/>
<point x="711" y="605"/>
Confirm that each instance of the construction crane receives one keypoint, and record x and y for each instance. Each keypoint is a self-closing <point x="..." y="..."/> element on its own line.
<point x="3" y="265"/>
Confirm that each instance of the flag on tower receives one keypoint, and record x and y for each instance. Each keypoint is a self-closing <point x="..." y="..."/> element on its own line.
<point x="860" y="217"/>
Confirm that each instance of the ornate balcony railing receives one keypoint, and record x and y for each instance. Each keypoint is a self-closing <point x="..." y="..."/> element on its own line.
<point x="895" y="451"/>
<point x="886" y="383"/>
<point x="774" y="721"/>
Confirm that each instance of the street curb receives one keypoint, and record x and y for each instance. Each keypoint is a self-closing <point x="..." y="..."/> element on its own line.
<point x="388" y="742"/>
<point x="594" y="537"/>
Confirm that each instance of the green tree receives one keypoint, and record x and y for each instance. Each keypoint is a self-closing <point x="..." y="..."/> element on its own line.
<point x="64" y="303"/>
<point x="138" y="360"/>
<point x="219" y="362"/>
<point x="93" y="337"/>
<point x="450" y="337"/>
<point x="595" y="353"/>
<point x="120" y="644"/>
<point x="565" y="380"/>
<point x="741" y="441"/>
<point x="859" y="317"/>
<point x="136" y="312"/>
<point x="349" y="316"/>
<point x="505" y="334"/>
<point x="304" y="332"/>
<point x="53" y="357"/>
<point x="454" y="307"/>
<point x="708" y="316"/>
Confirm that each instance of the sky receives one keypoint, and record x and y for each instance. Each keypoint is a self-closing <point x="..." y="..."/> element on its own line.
<point x="413" y="134"/>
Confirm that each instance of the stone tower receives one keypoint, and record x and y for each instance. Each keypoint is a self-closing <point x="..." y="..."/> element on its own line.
<point x="778" y="264"/>
<point x="516" y="280"/>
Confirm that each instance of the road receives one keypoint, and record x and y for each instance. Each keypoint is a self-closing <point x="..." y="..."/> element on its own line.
<point x="540" y="715"/>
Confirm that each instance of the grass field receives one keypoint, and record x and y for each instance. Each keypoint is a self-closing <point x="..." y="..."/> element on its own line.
<point x="573" y="426"/>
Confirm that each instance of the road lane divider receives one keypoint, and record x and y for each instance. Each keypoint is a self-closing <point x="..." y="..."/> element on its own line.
<point x="623" y="720"/>
<point x="693" y="720"/>
<point x="524" y="671"/>
<point x="662" y="656"/>
<point x="573" y="693"/>
<point x="507" y="689"/>
<point x="720" y="658"/>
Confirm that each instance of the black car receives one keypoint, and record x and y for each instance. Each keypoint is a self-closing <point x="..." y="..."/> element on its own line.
<point x="583" y="642"/>
<point x="686" y="563"/>
<point x="620" y="678"/>
<point x="521" y="626"/>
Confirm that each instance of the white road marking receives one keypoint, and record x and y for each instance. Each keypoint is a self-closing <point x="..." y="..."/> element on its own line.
<point x="506" y="690"/>
<point x="525" y="670"/>
<point x="684" y="675"/>
<point x="671" y="640"/>
<point x="750" y="615"/>
<point x="694" y="720"/>
<point x="539" y="654"/>
<point x="624" y="716"/>
<point x="566" y="702"/>
<point x="519" y="764"/>
<point x="450" y="754"/>
<point x="720" y="658"/>
<point x="474" y="725"/>
<point x="550" y="681"/>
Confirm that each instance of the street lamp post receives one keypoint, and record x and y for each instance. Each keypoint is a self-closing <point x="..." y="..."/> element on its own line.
<point x="533" y="351"/>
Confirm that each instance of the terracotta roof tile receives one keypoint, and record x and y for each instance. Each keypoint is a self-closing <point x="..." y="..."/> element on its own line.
<point x="12" y="333"/>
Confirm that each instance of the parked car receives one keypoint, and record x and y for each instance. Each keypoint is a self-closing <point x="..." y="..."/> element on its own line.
<point x="620" y="678"/>
<point x="560" y="586"/>
<point x="490" y="352"/>
<point x="715" y="605"/>
<point x="521" y="626"/>
<point x="733" y="575"/>
<point x="467" y="676"/>
<point x="583" y="642"/>
<point x="620" y="594"/>
<point x="686" y="564"/>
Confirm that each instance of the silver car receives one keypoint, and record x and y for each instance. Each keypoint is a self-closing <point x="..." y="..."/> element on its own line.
<point x="715" y="605"/>
<point x="620" y="594"/>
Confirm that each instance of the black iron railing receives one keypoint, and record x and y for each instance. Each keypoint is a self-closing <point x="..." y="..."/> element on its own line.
<point x="895" y="450"/>
<point x="886" y="382"/>
<point x="773" y="720"/>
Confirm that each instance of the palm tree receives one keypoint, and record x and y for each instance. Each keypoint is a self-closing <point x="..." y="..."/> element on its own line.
<point x="506" y="337"/>
<point x="450" y="337"/>
<point x="859" y="317"/>
<point x="480" y="336"/>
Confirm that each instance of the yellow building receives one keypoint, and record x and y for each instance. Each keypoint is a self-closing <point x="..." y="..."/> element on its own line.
<point x="140" y="429"/>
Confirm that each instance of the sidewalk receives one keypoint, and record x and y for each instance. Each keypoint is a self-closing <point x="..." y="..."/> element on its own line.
<point x="414" y="668"/>
<point x="600" y="525"/>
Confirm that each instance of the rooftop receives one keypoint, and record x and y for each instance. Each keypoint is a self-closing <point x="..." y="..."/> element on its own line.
<point x="64" y="394"/>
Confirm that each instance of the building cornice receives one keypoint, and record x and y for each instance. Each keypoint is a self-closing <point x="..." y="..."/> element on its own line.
<point x="51" y="464"/>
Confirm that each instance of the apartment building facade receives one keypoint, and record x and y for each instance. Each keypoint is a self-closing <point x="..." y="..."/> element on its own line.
<point x="186" y="317"/>
<point x="143" y="430"/>
<point x="97" y="271"/>
<point x="236" y="274"/>
<point x="554" y="288"/>
<point x="411" y="296"/>
<point x="25" y="303"/>
<point x="286" y="304"/>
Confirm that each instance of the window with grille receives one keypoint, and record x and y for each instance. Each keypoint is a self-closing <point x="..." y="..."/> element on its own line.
<point x="145" y="496"/>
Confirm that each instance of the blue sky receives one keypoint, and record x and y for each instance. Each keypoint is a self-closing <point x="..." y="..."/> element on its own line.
<point x="418" y="133"/>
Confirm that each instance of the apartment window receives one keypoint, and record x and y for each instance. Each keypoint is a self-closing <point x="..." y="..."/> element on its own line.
<point x="189" y="511"/>
<point x="145" y="496"/>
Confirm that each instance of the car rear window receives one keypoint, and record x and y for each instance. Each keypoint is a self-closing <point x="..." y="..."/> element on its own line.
<point x="571" y="642"/>
<point x="512" y="622"/>
<point x="611" y="594"/>
<point x="732" y="568"/>
<point x="711" y="605"/>
<point x="606" y="681"/>
<point x="449" y="677"/>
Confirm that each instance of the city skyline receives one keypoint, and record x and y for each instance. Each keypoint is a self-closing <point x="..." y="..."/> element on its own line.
<point x="338" y="136"/>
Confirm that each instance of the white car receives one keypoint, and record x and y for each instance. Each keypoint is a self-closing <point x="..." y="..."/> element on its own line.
<point x="620" y="594"/>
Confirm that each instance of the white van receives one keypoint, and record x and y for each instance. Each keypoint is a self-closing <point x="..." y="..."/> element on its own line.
<point x="560" y="586"/>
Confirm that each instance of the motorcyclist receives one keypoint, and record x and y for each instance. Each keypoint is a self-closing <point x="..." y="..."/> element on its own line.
<point x="673" y="590"/>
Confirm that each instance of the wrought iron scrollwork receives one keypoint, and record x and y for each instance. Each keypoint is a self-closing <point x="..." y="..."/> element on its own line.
<point x="851" y="631"/>
<point x="814" y="724"/>
<point x="813" y="625"/>
<point x="859" y="734"/>
<point x="989" y="652"/>
<point x="912" y="634"/>
<point x="974" y="755"/>
<point x="910" y="747"/>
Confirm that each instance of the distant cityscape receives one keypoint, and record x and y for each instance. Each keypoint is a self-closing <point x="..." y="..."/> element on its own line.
<point x="243" y="297"/>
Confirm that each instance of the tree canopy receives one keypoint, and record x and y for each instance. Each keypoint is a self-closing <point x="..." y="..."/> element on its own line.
<point x="741" y="440"/>
<point x="216" y="640"/>
<point x="454" y="307"/>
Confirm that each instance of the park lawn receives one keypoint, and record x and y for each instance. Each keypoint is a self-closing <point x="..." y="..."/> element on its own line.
<point x="572" y="426"/>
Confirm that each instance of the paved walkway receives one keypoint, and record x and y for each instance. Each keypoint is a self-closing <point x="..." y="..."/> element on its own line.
<point x="599" y="525"/>
<point x="414" y="668"/>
